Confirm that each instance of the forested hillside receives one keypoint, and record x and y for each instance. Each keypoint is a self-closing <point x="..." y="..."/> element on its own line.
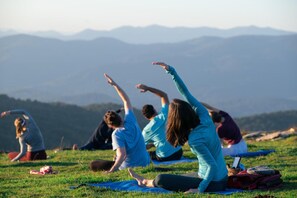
<point x="56" y="120"/>
<point x="280" y="120"/>
<point x="75" y="124"/>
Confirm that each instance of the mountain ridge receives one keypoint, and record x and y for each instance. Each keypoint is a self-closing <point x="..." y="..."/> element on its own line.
<point x="155" y="33"/>
<point x="216" y="70"/>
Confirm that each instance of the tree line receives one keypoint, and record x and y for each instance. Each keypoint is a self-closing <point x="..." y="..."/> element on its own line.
<point x="64" y="124"/>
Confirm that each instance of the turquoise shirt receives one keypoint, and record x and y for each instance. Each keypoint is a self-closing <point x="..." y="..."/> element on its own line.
<point x="131" y="139"/>
<point x="155" y="132"/>
<point x="203" y="140"/>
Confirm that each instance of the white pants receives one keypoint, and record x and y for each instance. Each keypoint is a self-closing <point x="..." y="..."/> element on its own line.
<point x="240" y="147"/>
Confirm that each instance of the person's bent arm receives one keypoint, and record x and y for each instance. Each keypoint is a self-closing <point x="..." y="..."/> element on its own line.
<point x="161" y="94"/>
<point x="121" y="156"/>
<point x="23" y="150"/>
<point x="121" y="92"/>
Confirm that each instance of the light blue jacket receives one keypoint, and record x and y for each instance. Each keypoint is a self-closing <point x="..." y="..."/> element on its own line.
<point x="155" y="132"/>
<point x="203" y="140"/>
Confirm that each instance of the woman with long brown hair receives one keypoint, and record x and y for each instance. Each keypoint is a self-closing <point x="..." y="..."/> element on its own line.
<point x="189" y="121"/>
<point x="29" y="136"/>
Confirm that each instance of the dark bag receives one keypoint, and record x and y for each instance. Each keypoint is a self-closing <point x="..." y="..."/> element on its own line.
<point x="246" y="181"/>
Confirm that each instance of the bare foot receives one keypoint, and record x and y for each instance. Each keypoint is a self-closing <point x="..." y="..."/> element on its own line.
<point x="74" y="147"/>
<point x="138" y="178"/>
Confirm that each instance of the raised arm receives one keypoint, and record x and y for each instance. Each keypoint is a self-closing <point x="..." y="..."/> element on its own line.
<point x="182" y="88"/>
<point x="210" y="108"/>
<point x="121" y="93"/>
<point x="17" y="111"/>
<point x="164" y="98"/>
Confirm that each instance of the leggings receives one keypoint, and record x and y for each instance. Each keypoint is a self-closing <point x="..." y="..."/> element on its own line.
<point x="175" y="156"/>
<point x="183" y="183"/>
<point x="35" y="155"/>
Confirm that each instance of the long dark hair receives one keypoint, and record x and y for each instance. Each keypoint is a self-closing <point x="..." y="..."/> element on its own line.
<point x="181" y="120"/>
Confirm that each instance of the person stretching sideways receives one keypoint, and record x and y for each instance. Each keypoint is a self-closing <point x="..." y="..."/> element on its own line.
<point x="154" y="132"/>
<point x="100" y="139"/>
<point x="29" y="135"/>
<point x="228" y="131"/>
<point x="189" y="121"/>
<point x="127" y="140"/>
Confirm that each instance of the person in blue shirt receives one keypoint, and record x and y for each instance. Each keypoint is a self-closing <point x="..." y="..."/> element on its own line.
<point x="127" y="139"/>
<point x="154" y="132"/>
<point x="189" y="121"/>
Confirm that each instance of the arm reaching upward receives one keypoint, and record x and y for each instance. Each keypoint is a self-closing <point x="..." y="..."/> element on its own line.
<point x="164" y="98"/>
<point x="210" y="108"/>
<point x="121" y="93"/>
<point x="183" y="90"/>
<point x="162" y="64"/>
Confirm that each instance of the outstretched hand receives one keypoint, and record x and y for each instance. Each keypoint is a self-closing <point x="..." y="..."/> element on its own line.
<point x="3" y="114"/>
<point x="142" y="87"/>
<point x="163" y="65"/>
<point x="109" y="79"/>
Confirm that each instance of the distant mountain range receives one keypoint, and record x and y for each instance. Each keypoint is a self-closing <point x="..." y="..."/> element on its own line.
<point x="243" y="75"/>
<point x="155" y="33"/>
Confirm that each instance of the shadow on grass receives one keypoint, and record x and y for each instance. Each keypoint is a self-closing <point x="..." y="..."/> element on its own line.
<point x="38" y="164"/>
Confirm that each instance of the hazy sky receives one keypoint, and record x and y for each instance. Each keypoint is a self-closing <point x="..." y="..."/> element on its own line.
<point x="76" y="15"/>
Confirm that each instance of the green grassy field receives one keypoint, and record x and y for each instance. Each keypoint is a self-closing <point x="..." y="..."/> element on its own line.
<point x="72" y="167"/>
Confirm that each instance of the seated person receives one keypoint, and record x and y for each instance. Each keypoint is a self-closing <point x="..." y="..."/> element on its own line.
<point x="127" y="140"/>
<point x="100" y="139"/>
<point x="30" y="138"/>
<point x="154" y="132"/>
<point x="228" y="131"/>
<point x="189" y="121"/>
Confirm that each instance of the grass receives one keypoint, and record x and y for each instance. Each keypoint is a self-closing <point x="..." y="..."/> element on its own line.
<point x="72" y="167"/>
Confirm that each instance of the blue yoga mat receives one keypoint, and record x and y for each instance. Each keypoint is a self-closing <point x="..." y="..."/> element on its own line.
<point x="254" y="154"/>
<point x="132" y="186"/>
<point x="182" y="160"/>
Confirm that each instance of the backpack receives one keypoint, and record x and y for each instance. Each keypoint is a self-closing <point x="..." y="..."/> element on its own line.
<point x="247" y="181"/>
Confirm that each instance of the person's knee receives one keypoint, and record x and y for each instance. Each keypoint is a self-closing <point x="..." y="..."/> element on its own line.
<point x="101" y="165"/>
<point x="160" y="180"/>
<point x="95" y="166"/>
